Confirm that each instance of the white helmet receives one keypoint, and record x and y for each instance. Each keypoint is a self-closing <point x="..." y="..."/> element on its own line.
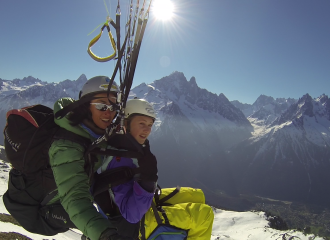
<point x="140" y="107"/>
<point x="98" y="84"/>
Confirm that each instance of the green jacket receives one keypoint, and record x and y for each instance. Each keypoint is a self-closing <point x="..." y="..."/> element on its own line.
<point x="67" y="162"/>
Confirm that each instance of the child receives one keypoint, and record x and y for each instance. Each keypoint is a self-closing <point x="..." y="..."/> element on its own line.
<point x="187" y="210"/>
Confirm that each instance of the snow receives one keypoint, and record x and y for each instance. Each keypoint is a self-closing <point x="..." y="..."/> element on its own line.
<point x="317" y="130"/>
<point x="228" y="225"/>
<point x="8" y="88"/>
<point x="203" y="119"/>
<point x="299" y="132"/>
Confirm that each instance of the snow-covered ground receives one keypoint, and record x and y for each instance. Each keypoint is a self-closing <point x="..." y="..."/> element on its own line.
<point x="228" y="225"/>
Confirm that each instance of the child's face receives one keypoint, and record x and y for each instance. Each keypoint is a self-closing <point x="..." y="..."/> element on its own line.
<point x="140" y="128"/>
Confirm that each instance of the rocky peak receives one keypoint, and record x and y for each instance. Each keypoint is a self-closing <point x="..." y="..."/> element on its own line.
<point x="263" y="100"/>
<point x="192" y="82"/>
<point x="239" y="105"/>
<point x="303" y="107"/>
<point x="223" y="98"/>
<point x="323" y="98"/>
<point x="82" y="79"/>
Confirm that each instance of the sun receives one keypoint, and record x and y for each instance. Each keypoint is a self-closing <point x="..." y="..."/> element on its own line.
<point x="163" y="9"/>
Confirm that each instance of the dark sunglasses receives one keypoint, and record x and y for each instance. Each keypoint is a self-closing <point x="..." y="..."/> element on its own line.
<point x="103" y="107"/>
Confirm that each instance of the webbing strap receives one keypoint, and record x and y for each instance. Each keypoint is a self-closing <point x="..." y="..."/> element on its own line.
<point x="142" y="228"/>
<point x="154" y="209"/>
<point x="160" y="202"/>
<point x="164" y="215"/>
<point x="65" y="110"/>
<point x="49" y="197"/>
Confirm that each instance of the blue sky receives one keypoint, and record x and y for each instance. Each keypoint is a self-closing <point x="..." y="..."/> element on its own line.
<point x="242" y="48"/>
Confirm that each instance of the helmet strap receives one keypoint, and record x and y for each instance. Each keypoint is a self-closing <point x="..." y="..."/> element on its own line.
<point x="128" y="124"/>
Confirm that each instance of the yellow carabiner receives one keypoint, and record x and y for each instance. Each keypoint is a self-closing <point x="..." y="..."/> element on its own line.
<point x="94" y="40"/>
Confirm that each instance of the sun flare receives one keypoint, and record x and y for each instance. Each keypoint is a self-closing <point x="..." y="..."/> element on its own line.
<point x="163" y="9"/>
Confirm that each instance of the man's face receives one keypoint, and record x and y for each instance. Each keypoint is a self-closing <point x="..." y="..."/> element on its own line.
<point x="101" y="118"/>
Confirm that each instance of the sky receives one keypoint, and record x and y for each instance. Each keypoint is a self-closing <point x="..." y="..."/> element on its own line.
<point x="227" y="225"/>
<point x="279" y="48"/>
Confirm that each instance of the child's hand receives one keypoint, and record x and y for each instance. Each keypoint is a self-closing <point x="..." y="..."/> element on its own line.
<point x="124" y="141"/>
<point x="148" y="164"/>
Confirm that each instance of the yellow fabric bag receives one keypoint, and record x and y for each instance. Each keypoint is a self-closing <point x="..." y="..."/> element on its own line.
<point x="182" y="214"/>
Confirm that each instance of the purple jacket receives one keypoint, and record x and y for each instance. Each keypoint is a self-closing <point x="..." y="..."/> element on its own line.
<point x="132" y="200"/>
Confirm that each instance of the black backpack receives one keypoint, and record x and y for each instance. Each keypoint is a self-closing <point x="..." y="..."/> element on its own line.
<point x="29" y="132"/>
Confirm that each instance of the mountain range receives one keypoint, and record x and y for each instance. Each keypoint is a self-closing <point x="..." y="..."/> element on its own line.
<point x="275" y="148"/>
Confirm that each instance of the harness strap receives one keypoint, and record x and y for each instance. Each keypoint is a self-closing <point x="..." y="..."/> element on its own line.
<point x="90" y="160"/>
<point x="49" y="197"/>
<point x="164" y="215"/>
<point x="154" y="209"/>
<point x="161" y="202"/>
<point x="142" y="228"/>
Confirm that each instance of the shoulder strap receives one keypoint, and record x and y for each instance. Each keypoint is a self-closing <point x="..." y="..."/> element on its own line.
<point x="62" y="133"/>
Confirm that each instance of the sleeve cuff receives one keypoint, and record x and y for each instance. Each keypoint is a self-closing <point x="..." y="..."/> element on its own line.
<point x="142" y="188"/>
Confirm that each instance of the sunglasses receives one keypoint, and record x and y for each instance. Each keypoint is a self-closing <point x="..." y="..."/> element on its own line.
<point x="103" y="107"/>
